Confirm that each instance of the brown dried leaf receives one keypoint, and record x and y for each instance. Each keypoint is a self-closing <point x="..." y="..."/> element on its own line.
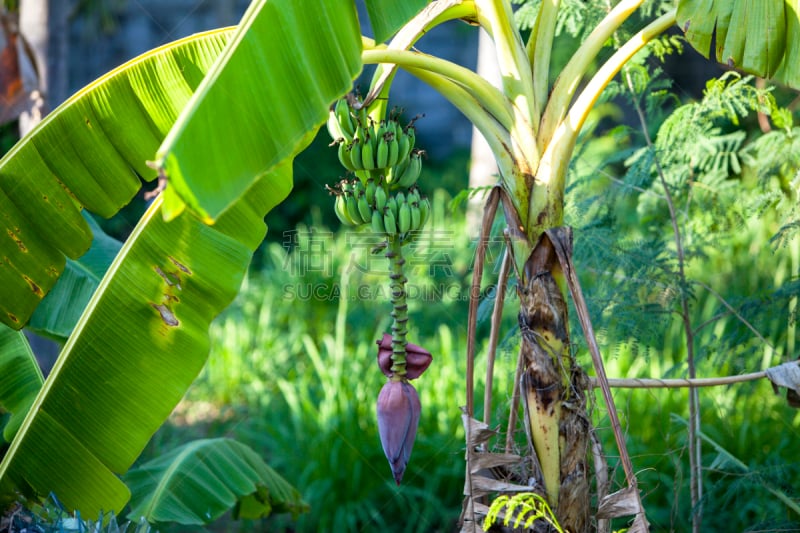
<point x="483" y="461"/>
<point x="18" y="76"/>
<point x="639" y="525"/>
<point x="478" y="432"/>
<point x="787" y="375"/>
<point x="483" y="483"/>
<point x="621" y="503"/>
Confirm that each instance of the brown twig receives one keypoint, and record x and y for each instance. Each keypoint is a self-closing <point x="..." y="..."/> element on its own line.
<point x="494" y="335"/>
<point x="655" y="383"/>
<point x="695" y="452"/>
<point x="477" y="273"/>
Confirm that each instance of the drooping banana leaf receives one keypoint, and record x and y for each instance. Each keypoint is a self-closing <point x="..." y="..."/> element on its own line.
<point x="139" y="344"/>
<point x="761" y="37"/>
<point x="387" y="16"/>
<point x="60" y="310"/>
<point x="20" y="378"/>
<point x="273" y="84"/>
<point x="143" y="337"/>
<point x="196" y="483"/>
<point x="90" y="152"/>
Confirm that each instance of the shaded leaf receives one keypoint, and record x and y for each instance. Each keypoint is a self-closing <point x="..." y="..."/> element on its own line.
<point x="60" y="310"/>
<point x="20" y="378"/>
<point x="199" y="481"/>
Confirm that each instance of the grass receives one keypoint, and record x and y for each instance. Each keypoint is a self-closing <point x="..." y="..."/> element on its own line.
<point x="292" y="372"/>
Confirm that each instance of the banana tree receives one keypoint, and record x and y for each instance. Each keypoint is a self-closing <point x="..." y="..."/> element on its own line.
<point x="220" y="118"/>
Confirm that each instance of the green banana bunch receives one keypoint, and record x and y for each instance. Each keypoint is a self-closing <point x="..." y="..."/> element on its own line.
<point x="380" y="148"/>
<point x="351" y="205"/>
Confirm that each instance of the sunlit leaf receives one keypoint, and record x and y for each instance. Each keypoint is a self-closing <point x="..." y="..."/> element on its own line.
<point x="761" y="37"/>
<point x="90" y="152"/>
<point x="139" y="344"/>
<point x="273" y="85"/>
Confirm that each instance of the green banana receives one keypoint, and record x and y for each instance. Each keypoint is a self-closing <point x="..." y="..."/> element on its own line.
<point x="400" y="197"/>
<point x="394" y="150"/>
<point x="424" y="211"/>
<point x="407" y="140"/>
<point x="416" y="216"/>
<point x="404" y="217"/>
<point x="389" y="222"/>
<point x="369" y="191"/>
<point x="361" y="113"/>
<point x="396" y="171"/>
<point x="412" y="196"/>
<point x="404" y="146"/>
<point x="363" y="207"/>
<point x="345" y="119"/>
<point x="391" y="204"/>
<point x="368" y="153"/>
<point x="377" y="222"/>
<point x="382" y="154"/>
<point x="334" y="129"/>
<point x="344" y="155"/>
<point x="340" y="122"/>
<point x="411" y="174"/>
<point x="355" y="153"/>
<point x="380" y="198"/>
<point x="352" y="209"/>
<point x="340" y="208"/>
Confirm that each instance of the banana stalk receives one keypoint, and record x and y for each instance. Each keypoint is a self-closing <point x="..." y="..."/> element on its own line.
<point x="394" y="253"/>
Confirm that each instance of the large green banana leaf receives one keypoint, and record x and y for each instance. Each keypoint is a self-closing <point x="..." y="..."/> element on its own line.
<point x="136" y="349"/>
<point x="196" y="483"/>
<point x="761" y="37"/>
<point x="143" y="337"/>
<point x="20" y="379"/>
<point x="87" y="153"/>
<point x="281" y="73"/>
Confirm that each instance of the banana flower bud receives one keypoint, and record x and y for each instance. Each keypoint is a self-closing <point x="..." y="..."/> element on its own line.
<point x="398" y="418"/>
<point x="417" y="358"/>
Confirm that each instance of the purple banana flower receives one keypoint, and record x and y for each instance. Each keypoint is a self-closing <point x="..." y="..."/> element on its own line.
<point x="417" y="358"/>
<point x="398" y="418"/>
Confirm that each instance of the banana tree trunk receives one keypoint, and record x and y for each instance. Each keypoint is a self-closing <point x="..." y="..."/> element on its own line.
<point x="553" y="391"/>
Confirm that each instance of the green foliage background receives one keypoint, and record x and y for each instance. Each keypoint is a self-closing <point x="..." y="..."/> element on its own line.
<point x="292" y="370"/>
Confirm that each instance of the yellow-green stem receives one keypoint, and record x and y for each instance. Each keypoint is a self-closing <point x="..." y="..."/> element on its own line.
<point x="555" y="160"/>
<point x="569" y="78"/>
<point x="495" y="17"/>
<point x="486" y="95"/>
<point x="540" y="47"/>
